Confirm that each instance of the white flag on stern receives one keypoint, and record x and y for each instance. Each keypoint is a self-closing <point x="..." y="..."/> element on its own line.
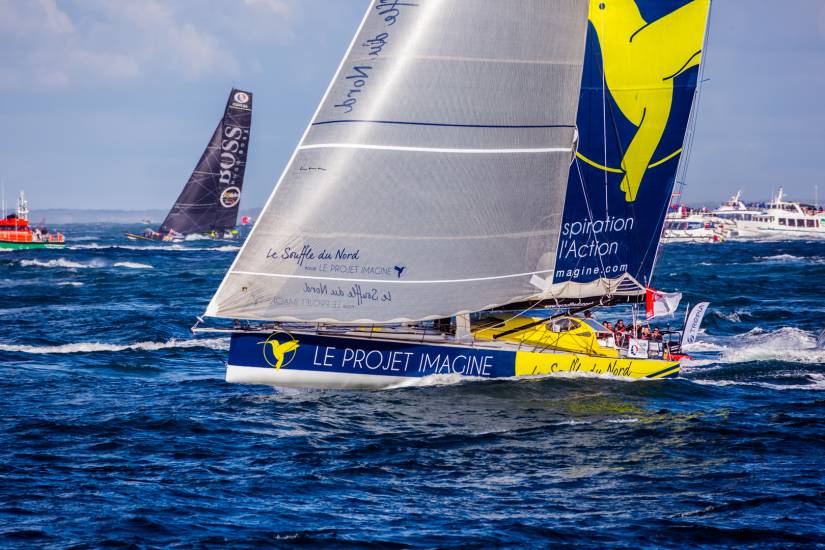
<point x="661" y="303"/>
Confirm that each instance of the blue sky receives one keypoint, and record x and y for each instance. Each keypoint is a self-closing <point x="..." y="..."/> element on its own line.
<point x="108" y="104"/>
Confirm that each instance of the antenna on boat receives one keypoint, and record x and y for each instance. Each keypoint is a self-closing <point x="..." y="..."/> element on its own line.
<point x="816" y="195"/>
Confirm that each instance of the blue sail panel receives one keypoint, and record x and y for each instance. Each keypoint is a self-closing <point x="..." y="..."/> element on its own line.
<point x="640" y="75"/>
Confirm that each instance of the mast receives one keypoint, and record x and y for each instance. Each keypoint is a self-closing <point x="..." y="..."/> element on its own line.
<point x="22" y="207"/>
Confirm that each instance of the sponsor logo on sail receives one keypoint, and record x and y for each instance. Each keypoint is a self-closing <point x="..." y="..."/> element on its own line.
<point x="230" y="149"/>
<point x="279" y="349"/>
<point x="639" y="69"/>
<point x="230" y="197"/>
<point x="241" y="97"/>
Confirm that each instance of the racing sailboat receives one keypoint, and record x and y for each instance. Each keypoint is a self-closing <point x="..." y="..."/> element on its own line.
<point x="208" y="205"/>
<point x="422" y="216"/>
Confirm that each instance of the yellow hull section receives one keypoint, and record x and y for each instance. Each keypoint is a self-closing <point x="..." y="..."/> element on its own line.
<point x="535" y="364"/>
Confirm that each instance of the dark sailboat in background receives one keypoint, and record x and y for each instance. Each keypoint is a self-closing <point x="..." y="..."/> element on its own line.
<point x="208" y="205"/>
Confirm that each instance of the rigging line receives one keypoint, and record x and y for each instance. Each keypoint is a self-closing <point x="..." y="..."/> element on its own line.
<point x="604" y="119"/>
<point x="681" y="173"/>
<point x="589" y="214"/>
<point x="579" y="259"/>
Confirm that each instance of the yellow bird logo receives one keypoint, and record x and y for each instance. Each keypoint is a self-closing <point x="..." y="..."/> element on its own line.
<point x="279" y="351"/>
<point x="641" y="59"/>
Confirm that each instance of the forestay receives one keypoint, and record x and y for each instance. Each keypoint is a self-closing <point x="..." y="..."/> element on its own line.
<point x="210" y="199"/>
<point x="432" y="177"/>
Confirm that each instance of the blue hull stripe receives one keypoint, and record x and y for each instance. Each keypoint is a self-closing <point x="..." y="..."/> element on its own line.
<point x="356" y="356"/>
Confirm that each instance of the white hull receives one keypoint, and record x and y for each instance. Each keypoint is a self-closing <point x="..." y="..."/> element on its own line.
<point x="292" y="378"/>
<point x="779" y="219"/>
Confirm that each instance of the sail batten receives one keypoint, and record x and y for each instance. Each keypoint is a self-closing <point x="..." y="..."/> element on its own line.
<point x="432" y="149"/>
<point x="431" y="178"/>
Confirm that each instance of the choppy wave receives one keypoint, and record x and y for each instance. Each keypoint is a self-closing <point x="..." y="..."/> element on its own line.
<point x="62" y="262"/>
<point x="93" y="347"/>
<point x="787" y="344"/>
<point x="70" y="283"/>
<point x="788" y="258"/>
<point x="734" y="316"/>
<point x="93" y="264"/>
<point x="813" y="381"/>
<point x="133" y="265"/>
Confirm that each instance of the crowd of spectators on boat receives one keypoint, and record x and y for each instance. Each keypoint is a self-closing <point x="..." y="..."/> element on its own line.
<point x="621" y="332"/>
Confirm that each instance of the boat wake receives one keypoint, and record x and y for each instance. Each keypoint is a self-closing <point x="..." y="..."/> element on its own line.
<point x="93" y="347"/>
<point x="787" y="345"/>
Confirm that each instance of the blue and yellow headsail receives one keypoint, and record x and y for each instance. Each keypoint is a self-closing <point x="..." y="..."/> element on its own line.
<point x="640" y="74"/>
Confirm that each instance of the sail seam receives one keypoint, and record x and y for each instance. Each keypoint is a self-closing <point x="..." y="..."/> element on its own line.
<point x="446" y="124"/>
<point x="443" y="281"/>
<point x="433" y="149"/>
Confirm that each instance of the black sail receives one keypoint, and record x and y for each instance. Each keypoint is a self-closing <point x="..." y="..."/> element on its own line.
<point x="210" y="199"/>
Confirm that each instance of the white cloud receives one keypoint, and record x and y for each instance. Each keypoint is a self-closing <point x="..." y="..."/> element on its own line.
<point x="278" y="6"/>
<point x="92" y="42"/>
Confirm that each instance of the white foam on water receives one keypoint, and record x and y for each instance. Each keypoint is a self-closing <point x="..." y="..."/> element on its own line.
<point x="780" y="258"/>
<point x="93" y="347"/>
<point x="787" y="344"/>
<point x="734" y="316"/>
<point x="70" y="283"/>
<point x="133" y="265"/>
<point x="817" y="382"/>
<point x="788" y="258"/>
<point x="61" y="262"/>
<point x="93" y="264"/>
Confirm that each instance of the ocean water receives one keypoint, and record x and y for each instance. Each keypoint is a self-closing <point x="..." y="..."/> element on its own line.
<point x="117" y="429"/>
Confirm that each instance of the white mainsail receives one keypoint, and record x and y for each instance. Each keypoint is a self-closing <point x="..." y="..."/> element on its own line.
<point x="431" y="180"/>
